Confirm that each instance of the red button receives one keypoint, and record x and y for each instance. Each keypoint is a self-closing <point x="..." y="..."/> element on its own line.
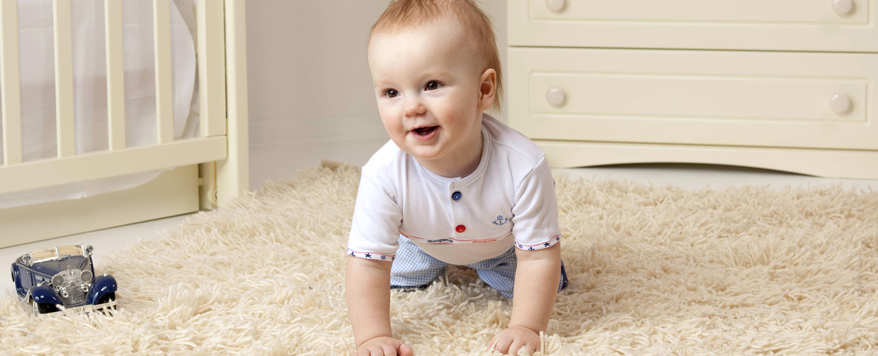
<point x="460" y="228"/>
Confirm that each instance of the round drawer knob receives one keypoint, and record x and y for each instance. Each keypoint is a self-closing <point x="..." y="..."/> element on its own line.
<point x="555" y="96"/>
<point x="842" y="7"/>
<point x="558" y="5"/>
<point x="840" y="103"/>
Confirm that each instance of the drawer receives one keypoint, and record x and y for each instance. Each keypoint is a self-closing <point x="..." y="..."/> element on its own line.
<point x="768" y="99"/>
<point x="794" y="25"/>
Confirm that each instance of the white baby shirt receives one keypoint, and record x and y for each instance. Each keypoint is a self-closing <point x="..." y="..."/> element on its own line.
<point x="508" y="201"/>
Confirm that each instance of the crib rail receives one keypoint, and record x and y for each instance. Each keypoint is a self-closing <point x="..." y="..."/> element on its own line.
<point x="9" y="79"/>
<point x="120" y="159"/>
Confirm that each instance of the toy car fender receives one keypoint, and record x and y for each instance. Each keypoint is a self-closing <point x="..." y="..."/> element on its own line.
<point x="102" y="286"/>
<point x="45" y="299"/>
<point x="45" y="295"/>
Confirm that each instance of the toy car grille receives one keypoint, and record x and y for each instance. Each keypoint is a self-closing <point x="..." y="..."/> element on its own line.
<point x="75" y="296"/>
<point x="72" y="284"/>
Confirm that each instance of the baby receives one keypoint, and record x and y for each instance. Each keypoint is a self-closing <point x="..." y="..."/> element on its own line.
<point x="454" y="186"/>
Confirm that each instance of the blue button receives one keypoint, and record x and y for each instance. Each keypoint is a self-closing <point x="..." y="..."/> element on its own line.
<point x="456" y="196"/>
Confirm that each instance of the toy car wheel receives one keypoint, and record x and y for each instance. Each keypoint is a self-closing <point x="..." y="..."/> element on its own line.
<point x="43" y="308"/>
<point x="47" y="308"/>
<point x="106" y="299"/>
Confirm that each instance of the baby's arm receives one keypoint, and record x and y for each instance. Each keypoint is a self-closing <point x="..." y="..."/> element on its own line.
<point x="367" y="288"/>
<point x="536" y="285"/>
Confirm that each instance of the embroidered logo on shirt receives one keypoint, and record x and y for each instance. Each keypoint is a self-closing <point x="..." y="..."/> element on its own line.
<point x="451" y="240"/>
<point x="500" y="220"/>
<point x="440" y="242"/>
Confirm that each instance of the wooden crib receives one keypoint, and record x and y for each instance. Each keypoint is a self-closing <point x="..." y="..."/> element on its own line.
<point x="208" y="171"/>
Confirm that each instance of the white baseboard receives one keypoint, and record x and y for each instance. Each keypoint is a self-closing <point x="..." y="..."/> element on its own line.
<point x="172" y="193"/>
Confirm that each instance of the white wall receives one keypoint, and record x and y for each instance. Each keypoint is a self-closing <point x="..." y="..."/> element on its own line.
<point x="310" y="88"/>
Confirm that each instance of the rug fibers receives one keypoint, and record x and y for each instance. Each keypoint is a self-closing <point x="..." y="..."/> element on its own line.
<point x="653" y="271"/>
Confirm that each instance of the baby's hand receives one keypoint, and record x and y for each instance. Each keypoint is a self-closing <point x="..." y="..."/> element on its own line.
<point x="513" y="338"/>
<point x="384" y="346"/>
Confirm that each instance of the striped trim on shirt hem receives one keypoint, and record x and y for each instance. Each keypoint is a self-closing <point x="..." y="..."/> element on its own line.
<point x="554" y="240"/>
<point x="372" y="255"/>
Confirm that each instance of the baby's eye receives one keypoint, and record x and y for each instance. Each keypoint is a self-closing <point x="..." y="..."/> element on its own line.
<point x="390" y="93"/>
<point x="433" y="85"/>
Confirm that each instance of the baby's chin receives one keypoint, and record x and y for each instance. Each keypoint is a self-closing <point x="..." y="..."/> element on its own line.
<point x="424" y="153"/>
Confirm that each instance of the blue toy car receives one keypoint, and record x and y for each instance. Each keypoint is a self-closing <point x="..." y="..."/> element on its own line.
<point x="62" y="278"/>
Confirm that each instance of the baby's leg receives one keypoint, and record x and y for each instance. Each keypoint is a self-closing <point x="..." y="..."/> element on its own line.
<point x="413" y="268"/>
<point x="499" y="273"/>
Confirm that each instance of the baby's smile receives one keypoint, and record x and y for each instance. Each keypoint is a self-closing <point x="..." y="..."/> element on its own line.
<point x="425" y="133"/>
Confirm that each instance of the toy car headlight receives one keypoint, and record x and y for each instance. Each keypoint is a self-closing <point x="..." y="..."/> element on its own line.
<point x="58" y="280"/>
<point x="89" y="250"/>
<point x="86" y="276"/>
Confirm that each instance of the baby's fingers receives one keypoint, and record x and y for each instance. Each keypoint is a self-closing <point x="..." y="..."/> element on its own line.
<point x="520" y="346"/>
<point x="377" y="350"/>
<point x="490" y="344"/>
<point x="502" y="344"/>
<point x="387" y="351"/>
<point x="516" y="345"/>
<point x="405" y="350"/>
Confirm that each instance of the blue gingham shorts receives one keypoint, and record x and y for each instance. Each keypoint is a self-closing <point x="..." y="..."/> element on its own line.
<point x="415" y="269"/>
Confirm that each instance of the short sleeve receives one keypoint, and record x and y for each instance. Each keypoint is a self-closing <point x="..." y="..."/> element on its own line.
<point x="375" y="225"/>
<point x="535" y="213"/>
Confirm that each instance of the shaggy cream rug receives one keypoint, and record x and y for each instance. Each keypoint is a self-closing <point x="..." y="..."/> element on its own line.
<point x="653" y="271"/>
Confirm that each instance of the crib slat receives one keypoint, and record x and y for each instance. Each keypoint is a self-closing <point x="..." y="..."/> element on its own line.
<point x="211" y="68"/>
<point x="233" y="177"/>
<point x="115" y="74"/>
<point x="164" y="103"/>
<point x="10" y="81"/>
<point x="64" y="78"/>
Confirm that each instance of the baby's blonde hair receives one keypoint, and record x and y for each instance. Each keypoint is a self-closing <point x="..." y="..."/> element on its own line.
<point x="404" y="14"/>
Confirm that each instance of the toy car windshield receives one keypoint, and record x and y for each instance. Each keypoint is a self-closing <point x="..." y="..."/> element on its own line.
<point x="59" y="252"/>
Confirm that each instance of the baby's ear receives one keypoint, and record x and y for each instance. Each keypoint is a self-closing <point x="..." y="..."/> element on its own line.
<point x="487" y="88"/>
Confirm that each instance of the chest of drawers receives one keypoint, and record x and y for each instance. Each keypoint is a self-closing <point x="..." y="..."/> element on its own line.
<point x="784" y="85"/>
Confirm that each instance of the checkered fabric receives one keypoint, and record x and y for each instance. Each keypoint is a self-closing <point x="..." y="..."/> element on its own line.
<point x="415" y="269"/>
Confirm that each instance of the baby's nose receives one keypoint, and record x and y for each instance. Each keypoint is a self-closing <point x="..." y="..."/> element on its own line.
<point x="415" y="108"/>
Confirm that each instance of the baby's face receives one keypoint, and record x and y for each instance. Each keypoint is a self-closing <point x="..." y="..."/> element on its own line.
<point x="427" y="87"/>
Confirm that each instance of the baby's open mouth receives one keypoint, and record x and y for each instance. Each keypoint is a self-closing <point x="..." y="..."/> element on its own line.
<point x="424" y="131"/>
